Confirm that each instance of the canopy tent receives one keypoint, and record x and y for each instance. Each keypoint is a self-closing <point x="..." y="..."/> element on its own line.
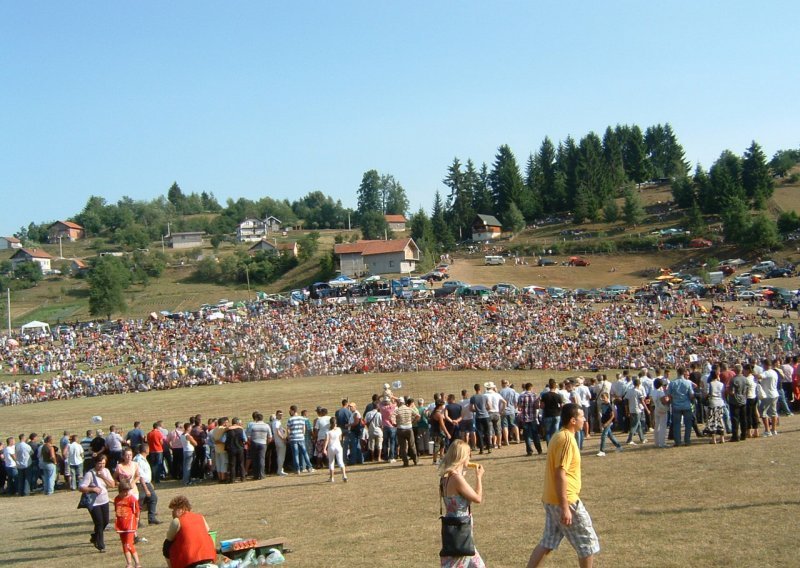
<point x="342" y="280"/>
<point x="36" y="326"/>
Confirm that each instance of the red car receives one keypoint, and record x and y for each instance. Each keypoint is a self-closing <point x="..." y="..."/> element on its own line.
<point x="578" y="261"/>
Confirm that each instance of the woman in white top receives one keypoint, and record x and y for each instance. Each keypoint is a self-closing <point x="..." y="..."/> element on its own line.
<point x="332" y="447"/>
<point x="188" y="444"/>
<point x="716" y="420"/>
<point x="98" y="480"/>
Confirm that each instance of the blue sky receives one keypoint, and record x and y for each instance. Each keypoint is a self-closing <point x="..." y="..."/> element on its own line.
<point x="253" y="99"/>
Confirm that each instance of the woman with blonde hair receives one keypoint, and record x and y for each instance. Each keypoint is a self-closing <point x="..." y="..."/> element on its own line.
<point x="457" y="495"/>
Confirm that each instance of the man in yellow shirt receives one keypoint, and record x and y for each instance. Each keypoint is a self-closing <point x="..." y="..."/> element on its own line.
<point x="565" y="515"/>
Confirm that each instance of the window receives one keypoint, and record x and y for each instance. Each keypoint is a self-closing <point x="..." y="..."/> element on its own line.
<point x="391" y="263"/>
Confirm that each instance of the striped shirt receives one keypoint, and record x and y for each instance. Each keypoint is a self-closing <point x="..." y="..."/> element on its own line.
<point x="297" y="428"/>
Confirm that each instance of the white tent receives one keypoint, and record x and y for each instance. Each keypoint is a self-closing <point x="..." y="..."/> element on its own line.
<point x="39" y="326"/>
<point x="342" y="280"/>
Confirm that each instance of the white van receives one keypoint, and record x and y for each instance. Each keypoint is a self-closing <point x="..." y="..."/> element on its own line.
<point x="493" y="260"/>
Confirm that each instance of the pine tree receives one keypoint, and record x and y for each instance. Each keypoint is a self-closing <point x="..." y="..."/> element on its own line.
<point x="634" y="154"/>
<point x="505" y="180"/>
<point x="369" y="193"/>
<point x="441" y="230"/>
<point x="756" y="178"/>
<point x="611" y="210"/>
<point x="632" y="210"/>
<point x="395" y="201"/>
<point x="612" y="155"/>
<point x="460" y="200"/>
<point x="482" y="195"/>
<point x="683" y="192"/>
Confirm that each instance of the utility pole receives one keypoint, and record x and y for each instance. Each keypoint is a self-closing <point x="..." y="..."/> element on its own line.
<point x="60" y="250"/>
<point x="8" y="296"/>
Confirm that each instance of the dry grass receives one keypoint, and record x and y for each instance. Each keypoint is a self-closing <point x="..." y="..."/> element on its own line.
<point x="699" y="506"/>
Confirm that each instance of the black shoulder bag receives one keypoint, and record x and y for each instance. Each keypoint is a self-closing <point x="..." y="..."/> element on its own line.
<point x="87" y="499"/>
<point x="456" y="532"/>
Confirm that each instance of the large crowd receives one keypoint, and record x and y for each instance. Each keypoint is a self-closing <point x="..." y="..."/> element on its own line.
<point x="737" y="402"/>
<point x="268" y="341"/>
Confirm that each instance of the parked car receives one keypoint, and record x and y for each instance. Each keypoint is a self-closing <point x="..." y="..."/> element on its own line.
<point x="727" y="269"/>
<point x="700" y="243"/>
<point x="435" y="275"/>
<point x="505" y="289"/>
<point x="454" y="284"/>
<point x="546" y="262"/>
<point x="764" y="266"/>
<point x="749" y="295"/>
<point x="779" y="273"/>
<point x="578" y="261"/>
<point x="746" y="279"/>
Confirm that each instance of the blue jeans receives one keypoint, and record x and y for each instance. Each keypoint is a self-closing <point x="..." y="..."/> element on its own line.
<point x="531" y="432"/>
<point x="156" y="460"/>
<point x="76" y="474"/>
<point x="685" y="415"/>
<point x="11" y="480"/>
<point x="783" y="406"/>
<point x="187" y="467"/>
<point x="551" y="424"/>
<point x="23" y="481"/>
<point x="390" y="441"/>
<point x="49" y="474"/>
<point x="354" y="443"/>
<point x="636" y="427"/>
<point x="300" y="455"/>
<point x="608" y="433"/>
<point x="579" y="435"/>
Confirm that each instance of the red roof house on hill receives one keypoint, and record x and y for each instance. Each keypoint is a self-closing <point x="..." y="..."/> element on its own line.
<point x="397" y="256"/>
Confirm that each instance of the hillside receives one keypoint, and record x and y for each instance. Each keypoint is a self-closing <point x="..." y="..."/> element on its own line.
<point x="64" y="298"/>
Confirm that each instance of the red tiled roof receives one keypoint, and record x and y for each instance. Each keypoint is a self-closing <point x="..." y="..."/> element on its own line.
<point x="11" y="239"/>
<point x="372" y="247"/>
<point x="33" y="253"/>
<point x="394" y="218"/>
<point x="79" y="263"/>
<point x="70" y="224"/>
<point x="286" y="246"/>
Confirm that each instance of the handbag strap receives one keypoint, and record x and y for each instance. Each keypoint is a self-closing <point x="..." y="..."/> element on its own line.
<point x="442" y="488"/>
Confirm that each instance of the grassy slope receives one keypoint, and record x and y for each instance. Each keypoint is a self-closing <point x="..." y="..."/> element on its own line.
<point x="65" y="298"/>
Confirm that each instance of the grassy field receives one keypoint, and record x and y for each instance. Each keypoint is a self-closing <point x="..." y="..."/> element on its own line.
<point x="728" y="505"/>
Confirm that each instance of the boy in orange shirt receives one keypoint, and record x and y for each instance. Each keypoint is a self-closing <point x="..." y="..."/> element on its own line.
<point x="126" y="509"/>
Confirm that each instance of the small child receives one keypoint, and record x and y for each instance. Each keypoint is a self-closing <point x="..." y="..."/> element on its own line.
<point x="126" y="509"/>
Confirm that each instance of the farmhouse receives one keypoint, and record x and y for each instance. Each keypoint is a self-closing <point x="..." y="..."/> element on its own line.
<point x="186" y="240"/>
<point x="65" y="230"/>
<point x="396" y="222"/>
<point x="290" y="248"/>
<point x="10" y="243"/>
<point x="32" y="255"/>
<point x="486" y="228"/>
<point x="254" y="230"/>
<point x="378" y="257"/>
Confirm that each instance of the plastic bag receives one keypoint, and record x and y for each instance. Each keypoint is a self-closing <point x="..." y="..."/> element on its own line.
<point x="275" y="557"/>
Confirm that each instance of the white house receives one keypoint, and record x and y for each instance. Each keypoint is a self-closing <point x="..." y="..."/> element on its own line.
<point x="251" y="230"/>
<point x="398" y="256"/>
<point x="32" y="255"/>
<point x="10" y="243"/>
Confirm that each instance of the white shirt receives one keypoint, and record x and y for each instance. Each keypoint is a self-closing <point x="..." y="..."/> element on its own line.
<point x="74" y="453"/>
<point x="584" y="395"/>
<point x="23" y="453"/>
<point x="493" y="399"/>
<point x="145" y="473"/>
<point x="9" y="453"/>
<point x="751" y="386"/>
<point x="769" y="382"/>
<point x="466" y="409"/>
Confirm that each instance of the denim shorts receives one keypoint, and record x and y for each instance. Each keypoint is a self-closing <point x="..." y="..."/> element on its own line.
<point x="507" y="421"/>
<point x="580" y="533"/>
<point x="466" y="426"/>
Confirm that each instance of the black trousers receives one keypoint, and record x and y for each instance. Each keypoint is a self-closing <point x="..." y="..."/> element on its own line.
<point x="235" y="464"/>
<point x="257" y="454"/>
<point x="531" y="432"/>
<point x="99" y="515"/>
<point x="738" y="421"/>
<point x="176" y="467"/>
<point x="484" y="427"/>
<point x="406" y="445"/>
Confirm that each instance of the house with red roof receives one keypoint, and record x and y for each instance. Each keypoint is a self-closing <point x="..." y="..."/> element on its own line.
<point x="32" y="255"/>
<point x="65" y="230"/>
<point x="290" y="248"/>
<point x="396" y="222"/>
<point x="10" y="243"/>
<point x="397" y="256"/>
